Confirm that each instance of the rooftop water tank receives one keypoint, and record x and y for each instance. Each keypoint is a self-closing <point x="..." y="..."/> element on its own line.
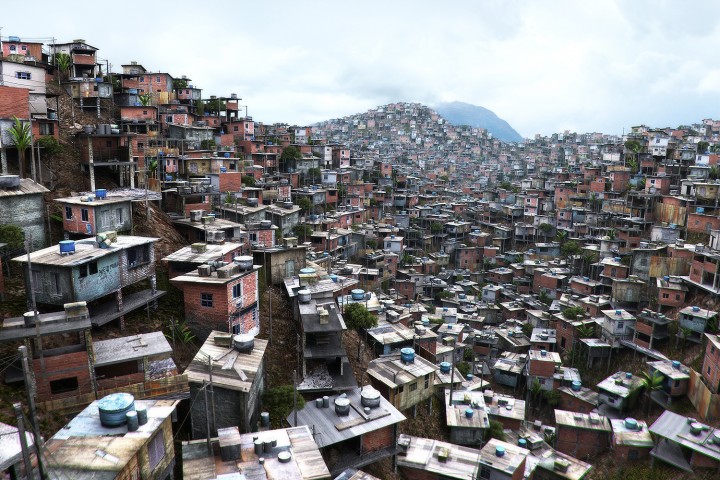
<point x="304" y="296"/>
<point x="576" y="385"/>
<point x="469" y="412"/>
<point x="500" y="451"/>
<point x="407" y="355"/>
<point x="113" y="407"/>
<point x="357" y="293"/>
<point x="631" y="424"/>
<point x="369" y="397"/>
<point x="445" y="367"/>
<point x="243" y="342"/>
<point x="100" y="193"/>
<point x="67" y="246"/>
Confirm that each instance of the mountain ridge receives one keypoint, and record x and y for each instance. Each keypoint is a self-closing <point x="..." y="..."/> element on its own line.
<point x="462" y="113"/>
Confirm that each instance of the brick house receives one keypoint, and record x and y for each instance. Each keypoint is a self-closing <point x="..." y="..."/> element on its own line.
<point x="352" y="437"/>
<point x="22" y="205"/>
<point x="577" y="398"/>
<point x="502" y="461"/>
<point x="83" y="271"/>
<point x="581" y="435"/>
<point x="324" y="355"/>
<point x="101" y="214"/>
<point x="693" y="322"/>
<point x="711" y="363"/>
<point x="223" y="297"/>
<point x="234" y="367"/>
<point x="191" y="257"/>
<point x="404" y="378"/>
<point x="689" y="446"/>
<point x="86" y="449"/>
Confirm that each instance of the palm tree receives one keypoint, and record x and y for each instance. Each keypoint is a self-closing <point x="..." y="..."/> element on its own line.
<point x="651" y="382"/>
<point x="561" y="236"/>
<point x="22" y="138"/>
<point x="545" y="228"/>
<point x="634" y="147"/>
<point x="63" y="63"/>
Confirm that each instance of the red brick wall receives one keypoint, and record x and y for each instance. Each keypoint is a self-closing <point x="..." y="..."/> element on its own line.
<point x="60" y="367"/>
<point x="581" y="443"/>
<point x="196" y="206"/>
<point x="698" y="223"/>
<point x="542" y="368"/>
<point x="14" y="102"/>
<point x="702" y="461"/>
<point x="571" y="403"/>
<point x="230" y="181"/>
<point x="416" y="473"/>
<point x="711" y="367"/>
<point x="75" y="224"/>
<point x="215" y="315"/>
<point x="378" y="439"/>
<point x="138" y="113"/>
<point x="121" y="381"/>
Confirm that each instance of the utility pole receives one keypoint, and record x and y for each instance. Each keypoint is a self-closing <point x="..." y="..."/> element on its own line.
<point x="295" y="397"/>
<point x="207" y="418"/>
<point x="23" y="441"/>
<point x="30" y="391"/>
<point x="452" y="373"/>
<point x="212" y="391"/>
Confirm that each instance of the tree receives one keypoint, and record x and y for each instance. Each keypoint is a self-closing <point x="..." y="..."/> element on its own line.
<point x="22" y="138"/>
<point x="145" y="99"/>
<point x="702" y="147"/>
<point x="535" y="391"/>
<point x="357" y="317"/>
<point x="572" y="313"/>
<point x="496" y="430"/>
<point x="561" y="236"/>
<point x="570" y="248"/>
<point x="63" y="62"/>
<point x="289" y="157"/>
<point x="278" y="401"/>
<point x="545" y="228"/>
<point x="13" y="235"/>
<point x="305" y="205"/>
<point x="179" y="83"/>
<point x="633" y="148"/>
<point x="248" y="180"/>
<point x="302" y="231"/>
<point x="585" y="331"/>
<point x="651" y="382"/>
<point x="436" y="227"/>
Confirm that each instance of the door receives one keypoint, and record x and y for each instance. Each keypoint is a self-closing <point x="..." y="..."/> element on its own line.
<point x="289" y="268"/>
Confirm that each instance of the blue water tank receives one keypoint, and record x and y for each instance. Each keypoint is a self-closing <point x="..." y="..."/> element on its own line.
<point x="445" y="367"/>
<point x="223" y="169"/>
<point x="469" y="412"/>
<point x="100" y="193"/>
<point x="407" y="355"/>
<point x="114" y="407"/>
<point x="576" y="385"/>
<point x="357" y="294"/>
<point x="227" y="155"/>
<point x="67" y="246"/>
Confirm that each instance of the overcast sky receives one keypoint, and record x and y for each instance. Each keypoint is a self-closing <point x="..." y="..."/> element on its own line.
<point x="544" y="66"/>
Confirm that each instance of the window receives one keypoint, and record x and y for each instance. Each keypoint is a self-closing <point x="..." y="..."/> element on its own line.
<point x="118" y="216"/>
<point x="237" y="290"/>
<point x="68" y="213"/>
<point x="13" y="48"/>
<point x="84" y="215"/>
<point x="156" y="450"/>
<point x="206" y="299"/>
<point x="665" y="295"/>
<point x="55" y="284"/>
<point x="23" y="48"/>
<point x="677" y="296"/>
<point x="137" y="256"/>
<point x="23" y="75"/>
<point x="427" y="381"/>
<point x="63" y="385"/>
<point x="399" y="389"/>
<point x="621" y="325"/>
<point x="37" y="281"/>
<point x="413" y="387"/>
<point x="157" y="79"/>
<point x="47" y="129"/>
<point x="168" y="118"/>
<point x="142" y="79"/>
<point x="484" y="472"/>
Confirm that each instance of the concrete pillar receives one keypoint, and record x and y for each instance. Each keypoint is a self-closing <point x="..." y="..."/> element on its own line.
<point x="3" y="160"/>
<point x="132" y="164"/>
<point x="119" y="299"/>
<point x="91" y="164"/>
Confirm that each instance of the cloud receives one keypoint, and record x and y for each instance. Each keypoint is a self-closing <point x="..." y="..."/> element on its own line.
<point x="542" y="65"/>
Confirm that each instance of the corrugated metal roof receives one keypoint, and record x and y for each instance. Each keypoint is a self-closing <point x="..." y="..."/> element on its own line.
<point x="331" y="428"/>
<point x="677" y="429"/>
<point x="26" y="187"/>
<point x="117" y="350"/>
<point x="231" y="369"/>
<point x="85" y="251"/>
<point x="391" y="371"/>
<point x="422" y="454"/>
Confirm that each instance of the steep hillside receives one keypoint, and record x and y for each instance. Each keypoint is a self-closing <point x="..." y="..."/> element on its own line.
<point x="460" y="113"/>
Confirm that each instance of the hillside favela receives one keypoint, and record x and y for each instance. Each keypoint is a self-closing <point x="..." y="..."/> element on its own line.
<point x="415" y="291"/>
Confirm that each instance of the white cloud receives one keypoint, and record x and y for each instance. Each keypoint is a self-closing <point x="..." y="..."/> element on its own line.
<point x="542" y="65"/>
